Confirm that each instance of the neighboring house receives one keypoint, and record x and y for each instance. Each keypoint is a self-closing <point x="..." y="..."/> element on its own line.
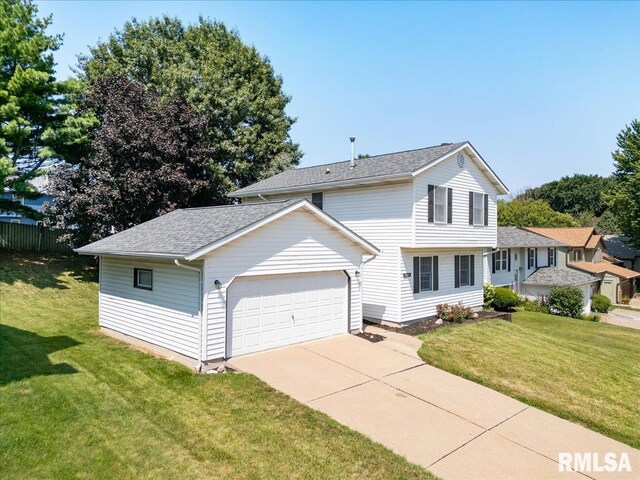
<point x="621" y="248"/>
<point x="432" y="212"/>
<point x="211" y="283"/>
<point x="586" y="253"/>
<point x="41" y="183"/>
<point x="531" y="264"/>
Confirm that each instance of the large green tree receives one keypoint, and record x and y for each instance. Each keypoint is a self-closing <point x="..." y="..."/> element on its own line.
<point x="531" y="213"/>
<point x="625" y="201"/>
<point x="36" y="128"/>
<point x="220" y="77"/>
<point x="577" y="194"/>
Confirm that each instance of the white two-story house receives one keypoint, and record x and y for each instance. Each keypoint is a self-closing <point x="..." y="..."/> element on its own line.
<point x="431" y="211"/>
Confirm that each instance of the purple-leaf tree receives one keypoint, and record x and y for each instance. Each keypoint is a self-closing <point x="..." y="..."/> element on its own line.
<point x="148" y="157"/>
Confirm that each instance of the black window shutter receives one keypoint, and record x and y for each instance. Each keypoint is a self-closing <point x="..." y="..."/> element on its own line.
<point x="509" y="258"/>
<point x="449" y="205"/>
<point x="456" y="266"/>
<point x="434" y="273"/>
<point x="493" y="262"/>
<point x="472" y="270"/>
<point x="470" y="208"/>
<point x="536" y="250"/>
<point x="549" y="257"/>
<point x="416" y="274"/>
<point x="430" y="194"/>
<point x="555" y="257"/>
<point x="486" y="210"/>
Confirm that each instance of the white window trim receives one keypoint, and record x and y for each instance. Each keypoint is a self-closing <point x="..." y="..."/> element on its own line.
<point x="468" y="284"/>
<point x="430" y="288"/>
<point x="436" y="189"/>
<point x="502" y="256"/>
<point x="136" y="279"/>
<point x="478" y="206"/>
<point x="552" y="257"/>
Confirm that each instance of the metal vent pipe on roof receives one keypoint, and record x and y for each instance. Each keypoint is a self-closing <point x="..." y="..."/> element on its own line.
<point x="353" y="158"/>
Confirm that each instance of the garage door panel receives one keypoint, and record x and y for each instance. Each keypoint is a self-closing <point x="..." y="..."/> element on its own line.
<point x="272" y="311"/>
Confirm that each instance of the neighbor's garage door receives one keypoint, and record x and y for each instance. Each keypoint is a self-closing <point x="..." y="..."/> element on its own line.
<point x="272" y="311"/>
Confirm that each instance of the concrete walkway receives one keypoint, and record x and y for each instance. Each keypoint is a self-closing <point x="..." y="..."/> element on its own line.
<point x="455" y="428"/>
<point x="623" y="318"/>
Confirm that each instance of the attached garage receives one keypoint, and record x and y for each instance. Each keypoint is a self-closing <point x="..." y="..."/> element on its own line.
<point x="212" y="283"/>
<point x="277" y="310"/>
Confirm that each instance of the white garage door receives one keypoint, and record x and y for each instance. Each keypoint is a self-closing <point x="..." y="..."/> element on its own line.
<point x="272" y="311"/>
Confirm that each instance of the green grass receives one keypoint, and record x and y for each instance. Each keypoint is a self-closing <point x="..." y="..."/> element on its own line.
<point x="77" y="404"/>
<point x="585" y="372"/>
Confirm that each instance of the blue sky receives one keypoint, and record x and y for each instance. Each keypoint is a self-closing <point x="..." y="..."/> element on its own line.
<point x="541" y="89"/>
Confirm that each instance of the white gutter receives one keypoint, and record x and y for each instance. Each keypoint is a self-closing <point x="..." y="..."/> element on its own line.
<point x="200" y="363"/>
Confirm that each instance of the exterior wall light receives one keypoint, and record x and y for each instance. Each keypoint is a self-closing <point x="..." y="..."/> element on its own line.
<point x="217" y="284"/>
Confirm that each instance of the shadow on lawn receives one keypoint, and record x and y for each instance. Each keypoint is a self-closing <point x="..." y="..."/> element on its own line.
<point x="43" y="270"/>
<point x="24" y="354"/>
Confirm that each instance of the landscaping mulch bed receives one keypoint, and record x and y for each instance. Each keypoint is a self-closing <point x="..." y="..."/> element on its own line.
<point x="429" y="324"/>
<point x="372" y="337"/>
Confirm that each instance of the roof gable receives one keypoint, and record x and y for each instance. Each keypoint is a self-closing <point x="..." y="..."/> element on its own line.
<point x="601" y="267"/>
<point x="192" y="232"/>
<point x="375" y="169"/>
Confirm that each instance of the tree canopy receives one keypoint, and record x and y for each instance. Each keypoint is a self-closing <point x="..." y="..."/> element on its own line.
<point x="625" y="200"/>
<point x="146" y="158"/>
<point x="576" y="194"/>
<point x="33" y="109"/>
<point x="531" y="213"/>
<point x="213" y="71"/>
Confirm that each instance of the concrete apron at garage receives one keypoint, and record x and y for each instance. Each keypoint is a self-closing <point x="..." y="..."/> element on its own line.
<point x="455" y="428"/>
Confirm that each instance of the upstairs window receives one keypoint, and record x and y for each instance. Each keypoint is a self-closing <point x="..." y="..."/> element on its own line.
<point x="440" y="205"/>
<point x="531" y="255"/>
<point x="143" y="278"/>
<point x="478" y="208"/>
<point x="577" y="255"/>
<point x="317" y="199"/>
<point x="552" y="257"/>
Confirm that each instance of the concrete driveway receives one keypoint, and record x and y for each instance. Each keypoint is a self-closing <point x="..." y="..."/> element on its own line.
<point x="455" y="428"/>
<point x="623" y="318"/>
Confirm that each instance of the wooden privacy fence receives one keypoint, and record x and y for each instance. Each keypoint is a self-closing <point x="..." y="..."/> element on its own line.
<point x="31" y="238"/>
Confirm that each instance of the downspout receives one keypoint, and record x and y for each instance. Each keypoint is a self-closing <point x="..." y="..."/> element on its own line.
<point x="260" y="195"/>
<point x="200" y="363"/>
<point x="360" y="278"/>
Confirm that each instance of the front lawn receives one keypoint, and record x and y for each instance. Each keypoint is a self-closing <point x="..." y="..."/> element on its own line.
<point x="583" y="371"/>
<point x="77" y="404"/>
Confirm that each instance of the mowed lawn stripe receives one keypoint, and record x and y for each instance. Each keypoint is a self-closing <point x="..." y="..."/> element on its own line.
<point x="77" y="404"/>
<point x="586" y="372"/>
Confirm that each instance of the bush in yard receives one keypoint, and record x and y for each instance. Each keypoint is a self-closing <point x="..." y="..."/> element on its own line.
<point x="566" y="301"/>
<point x="592" y="317"/>
<point x="535" y="306"/>
<point x="453" y="313"/>
<point x="600" y="303"/>
<point x="489" y="293"/>
<point x="505" y="299"/>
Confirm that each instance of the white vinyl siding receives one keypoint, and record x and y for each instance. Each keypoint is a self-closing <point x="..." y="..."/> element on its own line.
<point x="421" y="305"/>
<point x="167" y="316"/>
<point x="296" y="243"/>
<point x="458" y="233"/>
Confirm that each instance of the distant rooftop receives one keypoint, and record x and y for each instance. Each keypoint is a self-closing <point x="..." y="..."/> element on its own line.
<point x="513" y="237"/>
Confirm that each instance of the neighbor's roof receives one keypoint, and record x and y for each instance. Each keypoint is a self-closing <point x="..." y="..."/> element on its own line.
<point x="621" y="247"/>
<point x="373" y="169"/>
<point x="186" y="233"/>
<point x="572" y="236"/>
<point x="553" y="276"/>
<point x="601" y="267"/>
<point x="593" y="241"/>
<point x="513" y="237"/>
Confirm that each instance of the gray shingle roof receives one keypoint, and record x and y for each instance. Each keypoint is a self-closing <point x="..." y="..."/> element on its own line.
<point x="513" y="237"/>
<point x="183" y="231"/>
<point x="620" y="247"/>
<point x="366" y="168"/>
<point x="559" y="276"/>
